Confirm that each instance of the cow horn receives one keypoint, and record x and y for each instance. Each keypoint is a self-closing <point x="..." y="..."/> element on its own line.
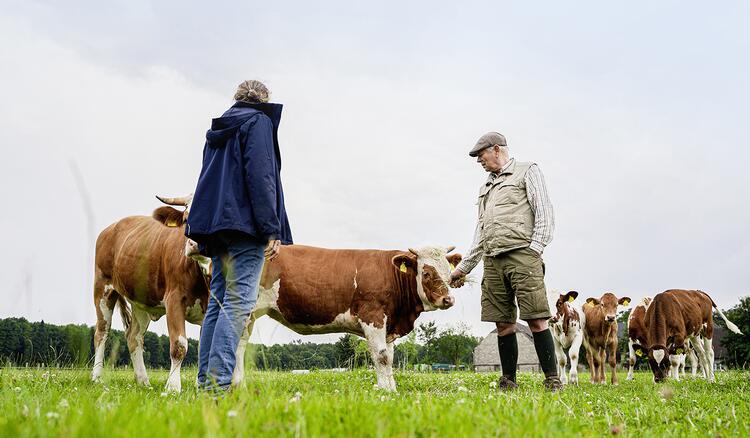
<point x="449" y="249"/>
<point x="413" y="251"/>
<point x="183" y="200"/>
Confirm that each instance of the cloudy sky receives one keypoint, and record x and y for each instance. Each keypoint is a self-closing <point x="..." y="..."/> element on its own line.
<point x="636" y="113"/>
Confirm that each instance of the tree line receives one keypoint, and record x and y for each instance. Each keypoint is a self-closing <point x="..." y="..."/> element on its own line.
<point x="24" y="343"/>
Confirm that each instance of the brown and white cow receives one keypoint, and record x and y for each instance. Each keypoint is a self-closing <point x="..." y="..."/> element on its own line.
<point x="600" y="334"/>
<point x="637" y="330"/>
<point x="567" y="332"/>
<point x="376" y="294"/>
<point x="149" y="262"/>
<point x="674" y="317"/>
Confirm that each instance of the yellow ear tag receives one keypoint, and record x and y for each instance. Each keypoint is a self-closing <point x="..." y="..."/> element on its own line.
<point x="626" y="302"/>
<point x="403" y="267"/>
<point x="452" y="267"/>
<point x="571" y="299"/>
<point x="638" y="353"/>
<point x="172" y="223"/>
<point x="680" y="351"/>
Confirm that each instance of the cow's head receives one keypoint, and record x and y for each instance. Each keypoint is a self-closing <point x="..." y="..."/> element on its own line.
<point x="561" y="305"/>
<point x="609" y="303"/>
<point x="172" y="217"/>
<point x="657" y="359"/>
<point x="433" y="267"/>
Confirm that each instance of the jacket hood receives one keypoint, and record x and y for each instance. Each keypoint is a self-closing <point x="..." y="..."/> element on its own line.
<point x="223" y="128"/>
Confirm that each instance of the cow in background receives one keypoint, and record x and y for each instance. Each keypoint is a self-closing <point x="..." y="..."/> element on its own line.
<point x="567" y="332"/>
<point x="148" y="262"/>
<point x="674" y="317"/>
<point x="600" y="334"/>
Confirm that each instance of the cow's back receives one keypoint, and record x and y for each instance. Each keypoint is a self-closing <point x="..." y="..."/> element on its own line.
<point x="637" y="324"/>
<point x="680" y="310"/>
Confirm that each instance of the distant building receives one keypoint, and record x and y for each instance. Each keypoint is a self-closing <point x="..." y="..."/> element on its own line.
<point x="487" y="357"/>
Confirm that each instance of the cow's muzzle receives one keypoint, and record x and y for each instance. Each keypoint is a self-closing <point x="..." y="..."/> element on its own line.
<point x="191" y="248"/>
<point x="448" y="302"/>
<point x="610" y="318"/>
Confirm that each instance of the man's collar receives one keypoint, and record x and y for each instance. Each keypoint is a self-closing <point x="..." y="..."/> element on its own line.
<point x="509" y="167"/>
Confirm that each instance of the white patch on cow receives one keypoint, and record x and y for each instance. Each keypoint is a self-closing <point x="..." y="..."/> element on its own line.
<point x="355" y="278"/>
<point x="96" y="374"/>
<point x="267" y="299"/>
<point x="434" y="256"/>
<point x="141" y="376"/>
<point x="382" y="354"/>
<point x="106" y="311"/>
<point x="174" y="383"/>
<point x="342" y="322"/>
<point x="658" y="355"/>
<point x="194" y="313"/>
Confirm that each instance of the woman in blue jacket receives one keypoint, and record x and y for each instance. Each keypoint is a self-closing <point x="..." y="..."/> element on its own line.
<point x="238" y="218"/>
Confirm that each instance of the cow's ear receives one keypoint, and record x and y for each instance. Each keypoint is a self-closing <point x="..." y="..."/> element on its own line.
<point x="570" y="296"/>
<point x="404" y="262"/>
<point x="169" y="216"/>
<point x="639" y="350"/>
<point x="591" y="301"/>
<point x="624" y="301"/>
<point x="454" y="260"/>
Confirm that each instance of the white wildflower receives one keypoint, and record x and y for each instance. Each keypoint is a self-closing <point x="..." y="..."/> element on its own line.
<point x="493" y="384"/>
<point x="297" y="397"/>
<point x="232" y="414"/>
<point x="463" y="389"/>
<point x="53" y="415"/>
<point x="17" y="389"/>
<point x="63" y="404"/>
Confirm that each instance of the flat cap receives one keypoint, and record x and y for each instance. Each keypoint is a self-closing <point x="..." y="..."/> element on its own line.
<point x="488" y="140"/>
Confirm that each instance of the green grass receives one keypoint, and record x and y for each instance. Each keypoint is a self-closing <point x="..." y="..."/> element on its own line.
<point x="57" y="402"/>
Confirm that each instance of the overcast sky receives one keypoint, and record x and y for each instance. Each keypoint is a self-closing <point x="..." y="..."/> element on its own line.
<point x="636" y="113"/>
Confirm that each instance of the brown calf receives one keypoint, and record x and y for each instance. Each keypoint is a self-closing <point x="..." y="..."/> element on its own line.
<point x="600" y="334"/>
<point x="674" y="317"/>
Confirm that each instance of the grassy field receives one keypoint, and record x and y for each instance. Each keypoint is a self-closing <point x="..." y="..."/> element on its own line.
<point x="58" y="402"/>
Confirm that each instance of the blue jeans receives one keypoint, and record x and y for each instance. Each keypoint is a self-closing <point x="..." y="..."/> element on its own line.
<point x="237" y="264"/>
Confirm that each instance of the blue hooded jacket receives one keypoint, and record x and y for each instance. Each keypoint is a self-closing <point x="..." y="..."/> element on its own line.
<point x="239" y="187"/>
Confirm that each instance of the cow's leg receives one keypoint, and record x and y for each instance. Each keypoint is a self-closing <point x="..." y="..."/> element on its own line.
<point x="238" y="375"/>
<point x="590" y="360"/>
<point x="693" y="362"/>
<point x="602" y="359"/>
<point x="631" y="359"/>
<point x="379" y="351"/>
<point x="708" y="348"/>
<point x="562" y="360"/>
<point x="698" y="345"/>
<point x="105" y="299"/>
<point x="612" y="359"/>
<point x="389" y="367"/>
<point x="575" y="348"/>
<point x="178" y="343"/>
<point x="674" y="366"/>
<point x="134" y="338"/>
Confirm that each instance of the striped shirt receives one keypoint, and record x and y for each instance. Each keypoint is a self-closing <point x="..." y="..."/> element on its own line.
<point x="544" y="218"/>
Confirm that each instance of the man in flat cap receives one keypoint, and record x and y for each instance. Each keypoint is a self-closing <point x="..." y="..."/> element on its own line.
<point x="515" y="225"/>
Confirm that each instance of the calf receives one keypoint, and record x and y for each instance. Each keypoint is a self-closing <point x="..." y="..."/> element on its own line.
<point x="600" y="334"/>
<point x="674" y="317"/>
<point x="567" y="331"/>
<point x="636" y="331"/>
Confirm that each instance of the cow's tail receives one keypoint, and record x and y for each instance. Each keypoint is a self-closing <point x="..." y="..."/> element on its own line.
<point x="124" y="311"/>
<point x="730" y="325"/>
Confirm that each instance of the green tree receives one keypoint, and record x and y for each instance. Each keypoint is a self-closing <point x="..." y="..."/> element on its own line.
<point x="738" y="346"/>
